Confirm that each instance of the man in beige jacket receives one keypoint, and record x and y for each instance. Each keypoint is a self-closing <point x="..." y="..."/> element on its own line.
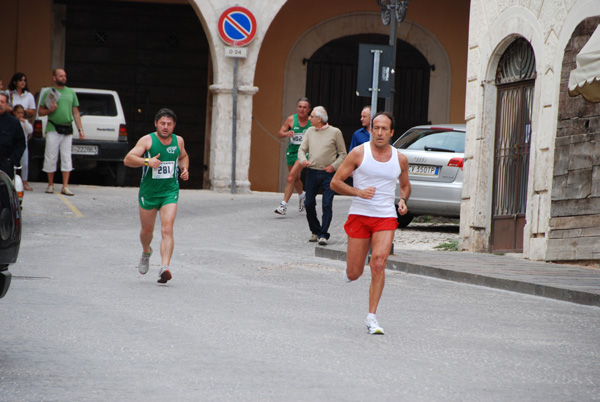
<point x="326" y="151"/>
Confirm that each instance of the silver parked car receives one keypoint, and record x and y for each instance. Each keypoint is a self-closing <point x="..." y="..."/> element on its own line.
<point x="435" y="156"/>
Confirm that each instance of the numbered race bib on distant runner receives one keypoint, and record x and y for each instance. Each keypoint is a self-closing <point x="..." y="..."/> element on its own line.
<point x="297" y="139"/>
<point x="166" y="170"/>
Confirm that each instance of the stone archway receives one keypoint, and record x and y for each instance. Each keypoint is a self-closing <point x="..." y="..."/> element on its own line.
<point x="574" y="216"/>
<point x="367" y="23"/>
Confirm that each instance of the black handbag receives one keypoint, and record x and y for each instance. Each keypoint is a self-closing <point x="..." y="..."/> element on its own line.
<point x="64" y="129"/>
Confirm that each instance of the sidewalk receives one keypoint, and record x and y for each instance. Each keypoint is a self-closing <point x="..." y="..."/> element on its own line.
<point x="563" y="282"/>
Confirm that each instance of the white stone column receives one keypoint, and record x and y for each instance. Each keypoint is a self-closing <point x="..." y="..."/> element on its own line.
<point x="221" y="155"/>
<point x="221" y="130"/>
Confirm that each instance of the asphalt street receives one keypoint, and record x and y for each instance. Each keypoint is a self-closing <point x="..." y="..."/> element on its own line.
<point x="251" y="314"/>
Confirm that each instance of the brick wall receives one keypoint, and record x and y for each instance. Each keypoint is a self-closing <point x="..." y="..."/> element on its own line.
<point x="575" y="208"/>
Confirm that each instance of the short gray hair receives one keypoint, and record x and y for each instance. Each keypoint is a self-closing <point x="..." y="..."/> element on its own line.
<point x="321" y="113"/>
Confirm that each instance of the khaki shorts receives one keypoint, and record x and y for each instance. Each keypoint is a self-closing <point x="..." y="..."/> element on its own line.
<point x="58" y="143"/>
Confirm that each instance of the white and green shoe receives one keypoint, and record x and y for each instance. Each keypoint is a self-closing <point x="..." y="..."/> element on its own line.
<point x="144" y="264"/>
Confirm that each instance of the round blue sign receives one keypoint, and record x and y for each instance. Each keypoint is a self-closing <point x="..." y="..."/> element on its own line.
<point x="237" y="26"/>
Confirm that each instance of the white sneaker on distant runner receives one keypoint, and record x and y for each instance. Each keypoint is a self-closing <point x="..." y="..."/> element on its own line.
<point x="373" y="326"/>
<point x="164" y="275"/>
<point x="281" y="209"/>
<point x="144" y="264"/>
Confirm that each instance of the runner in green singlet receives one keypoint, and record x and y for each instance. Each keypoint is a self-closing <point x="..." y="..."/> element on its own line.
<point x="294" y="128"/>
<point x="162" y="155"/>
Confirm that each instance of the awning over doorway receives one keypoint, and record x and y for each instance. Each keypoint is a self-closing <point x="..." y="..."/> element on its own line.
<point x="585" y="79"/>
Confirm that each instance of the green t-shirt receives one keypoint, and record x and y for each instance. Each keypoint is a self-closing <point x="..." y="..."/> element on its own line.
<point x="64" y="110"/>
<point x="162" y="181"/>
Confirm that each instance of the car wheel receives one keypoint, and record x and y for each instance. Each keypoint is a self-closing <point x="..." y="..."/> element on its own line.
<point x="404" y="220"/>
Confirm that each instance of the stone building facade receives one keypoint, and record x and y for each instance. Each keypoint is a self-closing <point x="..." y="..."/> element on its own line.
<point x="558" y="134"/>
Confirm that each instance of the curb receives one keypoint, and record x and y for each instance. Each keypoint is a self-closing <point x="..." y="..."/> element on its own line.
<point x="554" y="291"/>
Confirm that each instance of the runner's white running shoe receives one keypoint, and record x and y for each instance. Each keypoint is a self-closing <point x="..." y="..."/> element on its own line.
<point x="164" y="275"/>
<point x="373" y="327"/>
<point x="301" y="204"/>
<point x="281" y="209"/>
<point x="144" y="264"/>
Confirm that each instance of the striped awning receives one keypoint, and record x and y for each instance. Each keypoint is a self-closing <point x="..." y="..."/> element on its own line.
<point x="585" y="79"/>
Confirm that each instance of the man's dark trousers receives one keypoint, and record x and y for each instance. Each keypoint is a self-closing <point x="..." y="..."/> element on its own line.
<point x="318" y="180"/>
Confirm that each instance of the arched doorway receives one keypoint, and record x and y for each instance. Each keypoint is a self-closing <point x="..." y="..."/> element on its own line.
<point x="331" y="82"/>
<point x="154" y="56"/>
<point x="515" y="80"/>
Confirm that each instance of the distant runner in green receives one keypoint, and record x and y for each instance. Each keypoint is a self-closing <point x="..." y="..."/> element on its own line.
<point x="163" y="158"/>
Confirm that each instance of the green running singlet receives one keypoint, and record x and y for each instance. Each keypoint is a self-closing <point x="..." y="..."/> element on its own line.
<point x="291" y="153"/>
<point x="160" y="184"/>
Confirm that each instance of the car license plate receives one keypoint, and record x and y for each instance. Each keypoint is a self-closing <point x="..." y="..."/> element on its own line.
<point x="423" y="170"/>
<point x="85" y="150"/>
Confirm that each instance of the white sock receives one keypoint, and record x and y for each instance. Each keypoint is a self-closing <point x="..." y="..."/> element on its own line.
<point x="303" y="195"/>
<point x="346" y="276"/>
<point x="283" y="203"/>
<point x="371" y="316"/>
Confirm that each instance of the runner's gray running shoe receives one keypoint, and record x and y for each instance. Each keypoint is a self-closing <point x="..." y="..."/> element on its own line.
<point x="281" y="209"/>
<point x="144" y="264"/>
<point x="301" y="206"/>
<point x="373" y="327"/>
<point x="164" y="275"/>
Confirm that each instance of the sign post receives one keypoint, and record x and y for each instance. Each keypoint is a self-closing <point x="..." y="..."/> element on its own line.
<point x="374" y="73"/>
<point x="375" y="87"/>
<point x="237" y="28"/>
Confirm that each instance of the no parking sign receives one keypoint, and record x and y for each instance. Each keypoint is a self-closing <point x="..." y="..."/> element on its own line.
<point x="237" y="26"/>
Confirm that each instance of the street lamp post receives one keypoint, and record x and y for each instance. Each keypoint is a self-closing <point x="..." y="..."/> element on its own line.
<point x="392" y="13"/>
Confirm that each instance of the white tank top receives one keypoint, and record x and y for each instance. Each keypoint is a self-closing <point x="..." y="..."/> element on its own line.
<point x="381" y="175"/>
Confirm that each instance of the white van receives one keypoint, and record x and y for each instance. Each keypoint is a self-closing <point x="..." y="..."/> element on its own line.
<point x="105" y="144"/>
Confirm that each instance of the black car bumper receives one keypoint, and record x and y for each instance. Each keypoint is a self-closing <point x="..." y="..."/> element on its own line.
<point x="5" y="278"/>
<point x="107" y="150"/>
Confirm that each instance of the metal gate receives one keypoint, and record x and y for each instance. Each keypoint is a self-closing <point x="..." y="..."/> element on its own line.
<point x="331" y="82"/>
<point x="515" y="80"/>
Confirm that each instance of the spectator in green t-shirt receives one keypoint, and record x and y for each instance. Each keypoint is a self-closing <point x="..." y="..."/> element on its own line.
<point x="59" y="130"/>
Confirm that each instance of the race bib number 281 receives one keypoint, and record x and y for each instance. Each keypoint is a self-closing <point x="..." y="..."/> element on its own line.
<point x="166" y="170"/>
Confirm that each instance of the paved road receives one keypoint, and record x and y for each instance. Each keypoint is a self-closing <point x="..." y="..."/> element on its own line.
<point x="252" y="315"/>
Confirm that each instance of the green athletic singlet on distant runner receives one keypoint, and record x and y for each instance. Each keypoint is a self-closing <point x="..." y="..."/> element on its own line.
<point x="163" y="181"/>
<point x="291" y="152"/>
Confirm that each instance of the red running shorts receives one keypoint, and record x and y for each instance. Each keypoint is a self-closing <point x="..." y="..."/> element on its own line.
<point x="363" y="227"/>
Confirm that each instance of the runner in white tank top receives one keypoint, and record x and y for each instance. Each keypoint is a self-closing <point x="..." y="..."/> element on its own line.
<point x="376" y="166"/>
<point x="382" y="176"/>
